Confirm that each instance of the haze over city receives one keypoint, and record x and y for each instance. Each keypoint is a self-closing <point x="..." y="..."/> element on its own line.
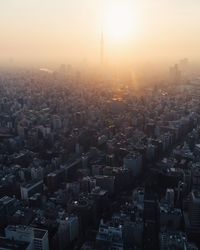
<point x="70" y="30"/>
<point x="99" y="125"/>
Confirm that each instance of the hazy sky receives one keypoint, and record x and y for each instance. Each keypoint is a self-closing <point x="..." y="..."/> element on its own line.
<point x="70" y="29"/>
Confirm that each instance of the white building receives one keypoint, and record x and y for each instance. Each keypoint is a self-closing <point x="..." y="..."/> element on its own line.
<point x="38" y="238"/>
<point x="110" y="236"/>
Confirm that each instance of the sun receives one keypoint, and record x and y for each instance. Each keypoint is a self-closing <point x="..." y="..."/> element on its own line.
<point x="119" y="22"/>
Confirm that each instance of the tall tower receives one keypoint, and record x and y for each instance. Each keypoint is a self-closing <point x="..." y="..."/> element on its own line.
<point x="102" y="48"/>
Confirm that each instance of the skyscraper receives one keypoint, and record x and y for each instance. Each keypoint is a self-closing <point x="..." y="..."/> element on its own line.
<point x="194" y="209"/>
<point x="102" y="48"/>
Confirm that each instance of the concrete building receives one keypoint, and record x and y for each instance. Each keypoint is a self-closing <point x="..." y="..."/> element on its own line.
<point x="169" y="197"/>
<point x="68" y="231"/>
<point x="7" y="244"/>
<point x="37" y="238"/>
<point x="194" y="209"/>
<point x="109" y="237"/>
<point x="175" y="240"/>
<point x="30" y="189"/>
<point x="170" y="217"/>
<point x="106" y="182"/>
<point x="133" y="161"/>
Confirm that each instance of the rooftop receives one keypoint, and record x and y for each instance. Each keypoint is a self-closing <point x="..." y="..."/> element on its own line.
<point x="12" y="244"/>
<point x="196" y="194"/>
<point x="6" y="199"/>
<point x="39" y="233"/>
<point x="32" y="184"/>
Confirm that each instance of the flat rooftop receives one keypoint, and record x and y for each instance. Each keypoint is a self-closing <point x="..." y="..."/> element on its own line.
<point x="12" y="244"/>
<point x="39" y="233"/>
<point x="6" y="199"/>
<point x="196" y="194"/>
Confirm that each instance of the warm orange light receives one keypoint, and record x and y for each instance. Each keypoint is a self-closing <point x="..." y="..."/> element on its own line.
<point x="119" y="21"/>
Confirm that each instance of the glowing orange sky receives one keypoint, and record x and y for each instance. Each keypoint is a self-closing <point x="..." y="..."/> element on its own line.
<point x="70" y="30"/>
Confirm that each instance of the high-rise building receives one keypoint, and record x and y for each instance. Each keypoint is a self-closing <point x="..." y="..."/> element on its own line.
<point x="184" y="66"/>
<point x="150" y="221"/>
<point x="194" y="209"/>
<point x="106" y="182"/>
<point x="109" y="237"/>
<point x="68" y="231"/>
<point x="169" y="197"/>
<point x="102" y="48"/>
<point x="175" y="74"/>
<point x="37" y="238"/>
<point x="175" y="240"/>
<point x="30" y="189"/>
<point x="134" y="162"/>
<point x="196" y="178"/>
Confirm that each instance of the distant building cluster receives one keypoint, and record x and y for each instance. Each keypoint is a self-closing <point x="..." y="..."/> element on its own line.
<point x="87" y="165"/>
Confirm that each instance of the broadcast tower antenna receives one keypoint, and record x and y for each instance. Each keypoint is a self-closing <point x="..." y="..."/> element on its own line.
<point x="102" y="46"/>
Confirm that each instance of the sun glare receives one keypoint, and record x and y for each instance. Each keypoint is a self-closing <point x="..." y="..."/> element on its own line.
<point x="119" y="21"/>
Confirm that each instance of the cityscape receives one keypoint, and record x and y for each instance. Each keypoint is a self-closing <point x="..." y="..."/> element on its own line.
<point x="101" y="153"/>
